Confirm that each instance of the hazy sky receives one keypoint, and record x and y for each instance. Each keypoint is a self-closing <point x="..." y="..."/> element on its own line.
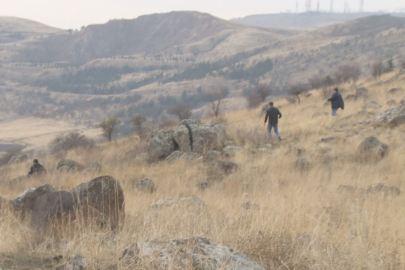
<point x="76" y="13"/>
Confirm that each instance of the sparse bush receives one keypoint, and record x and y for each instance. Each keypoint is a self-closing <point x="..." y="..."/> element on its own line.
<point x="377" y="69"/>
<point x="350" y="72"/>
<point x="108" y="126"/>
<point x="137" y="121"/>
<point x="253" y="101"/>
<point x="263" y="91"/>
<point x="182" y="110"/>
<point x="72" y="140"/>
<point x="296" y="90"/>
<point x="316" y="81"/>
<point x="216" y="98"/>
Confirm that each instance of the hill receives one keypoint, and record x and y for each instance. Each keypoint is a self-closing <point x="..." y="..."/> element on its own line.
<point x="302" y="21"/>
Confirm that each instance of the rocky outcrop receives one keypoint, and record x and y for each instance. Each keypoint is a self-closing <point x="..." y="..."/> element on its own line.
<point x="24" y="203"/>
<point x="144" y="185"/>
<point x="68" y="165"/>
<point x="372" y="149"/>
<point x="193" y="253"/>
<point x="390" y="114"/>
<point x="99" y="202"/>
<point x="208" y="137"/>
<point x="161" y="144"/>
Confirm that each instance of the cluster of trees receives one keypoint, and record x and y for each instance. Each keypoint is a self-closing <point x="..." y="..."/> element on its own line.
<point x="347" y="73"/>
<point x="259" y="94"/>
<point x="378" y="67"/>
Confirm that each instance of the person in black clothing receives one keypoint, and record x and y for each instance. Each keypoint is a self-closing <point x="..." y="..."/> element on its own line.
<point x="36" y="169"/>
<point x="273" y="114"/>
<point x="337" y="102"/>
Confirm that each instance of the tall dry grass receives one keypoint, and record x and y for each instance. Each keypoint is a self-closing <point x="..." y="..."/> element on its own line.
<point x="299" y="219"/>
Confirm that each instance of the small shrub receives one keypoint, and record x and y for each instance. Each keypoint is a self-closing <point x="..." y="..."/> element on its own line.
<point x="72" y="140"/>
<point x="253" y="101"/>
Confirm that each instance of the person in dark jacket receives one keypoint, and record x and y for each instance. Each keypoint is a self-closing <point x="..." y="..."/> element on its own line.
<point x="273" y="114"/>
<point x="36" y="169"/>
<point x="337" y="102"/>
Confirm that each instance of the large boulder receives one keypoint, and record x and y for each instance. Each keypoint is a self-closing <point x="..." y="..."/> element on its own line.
<point x="68" y="165"/>
<point x="372" y="148"/>
<point x="161" y="144"/>
<point x="54" y="205"/>
<point x="182" y="137"/>
<point x="208" y="137"/>
<point x="24" y="203"/>
<point x="390" y="114"/>
<point x="105" y="195"/>
<point x="17" y="158"/>
<point x="193" y="253"/>
<point x="144" y="185"/>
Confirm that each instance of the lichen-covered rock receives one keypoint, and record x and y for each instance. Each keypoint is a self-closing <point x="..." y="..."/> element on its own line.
<point x="105" y="195"/>
<point x="161" y="144"/>
<point x="391" y="102"/>
<point x="390" y="114"/>
<point x="24" y="203"/>
<point x="144" y="185"/>
<point x="230" y="151"/>
<point x="208" y="137"/>
<point x="68" y="165"/>
<point x="361" y="91"/>
<point x="182" y="137"/>
<point x="17" y="158"/>
<point x="177" y="155"/>
<point x="372" y="148"/>
<point x="371" y="105"/>
<point x="193" y="253"/>
<point x="212" y="155"/>
<point x="226" y="166"/>
<point x="75" y="262"/>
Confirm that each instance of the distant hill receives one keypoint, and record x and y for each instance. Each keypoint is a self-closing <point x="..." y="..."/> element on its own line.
<point x="173" y="32"/>
<point x="302" y="21"/>
<point x="14" y="29"/>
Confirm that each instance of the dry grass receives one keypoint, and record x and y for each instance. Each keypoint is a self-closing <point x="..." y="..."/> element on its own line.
<point x="300" y="219"/>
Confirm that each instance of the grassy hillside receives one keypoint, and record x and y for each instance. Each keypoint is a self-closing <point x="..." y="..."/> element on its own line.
<point x="297" y="219"/>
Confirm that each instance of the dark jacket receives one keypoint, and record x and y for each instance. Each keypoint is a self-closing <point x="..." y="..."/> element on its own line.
<point x="273" y="114"/>
<point x="337" y="101"/>
<point x="36" y="169"/>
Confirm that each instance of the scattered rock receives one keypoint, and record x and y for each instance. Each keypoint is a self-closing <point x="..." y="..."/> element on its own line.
<point x="390" y="114"/>
<point x="394" y="91"/>
<point x="228" y="143"/>
<point x="250" y="206"/>
<point x="319" y="114"/>
<point x="161" y="144"/>
<point x="144" y="185"/>
<point x="75" y="262"/>
<point x="302" y="163"/>
<point x="403" y="101"/>
<point x="230" y="151"/>
<point x="380" y="187"/>
<point x="68" y="165"/>
<point x="17" y="158"/>
<point x="397" y="121"/>
<point x="361" y="91"/>
<point x="203" y="186"/>
<point x="24" y="203"/>
<point x="226" y="166"/>
<point x="371" y="105"/>
<point x="142" y="157"/>
<point x="391" y="102"/>
<point x="351" y="97"/>
<point x="372" y="148"/>
<point x="196" y="253"/>
<point x="329" y="139"/>
<point x="296" y="150"/>
<point x="105" y="195"/>
<point x="212" y="156"/>
<point x="193" y="204"/>
<point x="94" y="168"/>
<point x="176" y="155"/>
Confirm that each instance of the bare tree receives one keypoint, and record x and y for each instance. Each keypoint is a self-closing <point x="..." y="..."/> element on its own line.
<point x="297" y="89"/>
<point x="182" y="110"/>
<point x="216" y="97"/>
<point x="263" y="91"/>
<point x="137" y="121"/>
<point x="377" y="68"/>
<point x="108" y="126"/>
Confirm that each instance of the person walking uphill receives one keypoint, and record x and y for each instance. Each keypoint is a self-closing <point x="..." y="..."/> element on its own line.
<point x="36" y="169"/>
<point x="273" y="114"/>
<point x="337" y="102"/>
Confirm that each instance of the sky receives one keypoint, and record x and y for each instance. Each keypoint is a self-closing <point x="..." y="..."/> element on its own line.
<point x="72" y="14"/>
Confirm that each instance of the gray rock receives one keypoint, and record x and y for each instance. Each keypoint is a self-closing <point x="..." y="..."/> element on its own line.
<point x="144" y="185"/>
<point x="212" y="156"/>
<point x="372" y="148"/>
<point x="228" y="143"/>
<point x="226" y="166"/>
<point x="142" y="157"/>
<point x="265" y="108"/>
<point x="391" y="102"/>
<point x="319" y="114"/>
<point x="403" y="101"/>
<point x="362" y="91"/>
<point x="208" y="137"/>
<point x="394" y="91"/>
<point x="390" y="114"/>
<point x="250" y="206"/>
<point x="388" y="191"/>
<point x="94" y="168"/>
<point x="75" y="262"/>
<point x="329" y="139"/>
<point x="24" y="203"/>
<point x="68" y="165"/>
<point x="296" y="150"/>
<point x="161" y="144"/>
<point x="351" y="97"/>
<point x="371" y="105"/>
<point x="192" y="204"/>
<point x="397" y="121"/>
<point x="105" y="195"/>
<point x="17" y="158"/>
<point x="230" y="151"/>
<point x="198" y="252"/>
<point x="177" y="155"/>
<point x="302" y="163"/>
<point x="182" y="137"/>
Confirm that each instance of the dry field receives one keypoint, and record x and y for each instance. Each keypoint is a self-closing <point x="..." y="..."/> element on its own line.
<point x="299" y="219"/>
